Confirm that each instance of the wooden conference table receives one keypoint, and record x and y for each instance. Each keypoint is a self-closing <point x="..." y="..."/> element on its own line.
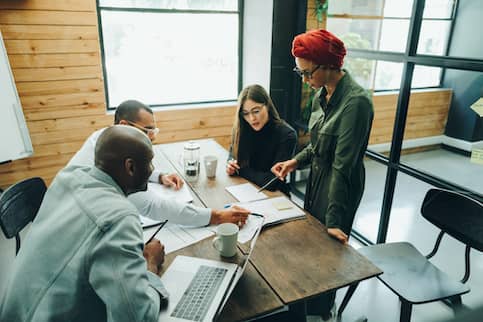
<point x="291" y="262"/>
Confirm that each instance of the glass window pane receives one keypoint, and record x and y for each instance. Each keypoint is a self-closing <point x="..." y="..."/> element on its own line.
<point x="356" y="33"/>
<point x="356" y="7"/>
<point x="388" y="75"/>
<point x="368" y="214"/>
<point x="433" y="38"/>
<point x="444" y="117"/>
<point x="362" y="70"/>
<point x="442" y="9"/>
<point x="394" y="35"/>
<point x="146" y="58"/>
<point x="425" y="76"/>
<point x="398" y="8"/>
<point x="224" y="5"/>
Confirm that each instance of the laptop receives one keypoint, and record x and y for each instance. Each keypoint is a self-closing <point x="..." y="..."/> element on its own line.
<point x="199" y="288"/>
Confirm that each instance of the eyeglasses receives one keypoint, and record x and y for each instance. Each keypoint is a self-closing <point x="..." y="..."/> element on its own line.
<point x="254" y="112"/>
<point x="149" y="131"/>
<point x="306" y="73"/>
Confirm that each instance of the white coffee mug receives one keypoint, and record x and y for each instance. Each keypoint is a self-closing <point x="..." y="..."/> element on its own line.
<point x="226" y="239"/>
<point x="210" y="165"/>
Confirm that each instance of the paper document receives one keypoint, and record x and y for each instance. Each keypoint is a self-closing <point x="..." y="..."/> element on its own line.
<point x="181" y="195"/>
<point x="148" y="222"/>
<point x="174" y="236"/>
<point x="245" y="192"/>
<point x="274" y="210"/>
<point x="248" y="230"/>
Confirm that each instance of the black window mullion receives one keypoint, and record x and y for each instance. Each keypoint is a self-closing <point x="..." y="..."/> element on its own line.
<point x="400" y="121"/>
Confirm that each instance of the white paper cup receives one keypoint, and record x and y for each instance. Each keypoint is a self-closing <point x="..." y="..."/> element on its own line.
<point x="210" y="162"/>
<point x="226" y="239"/>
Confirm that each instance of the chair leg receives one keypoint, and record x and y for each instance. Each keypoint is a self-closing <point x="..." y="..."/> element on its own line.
<point x="456" y="304"/>
<point x="406" y="308"/>
<point x="17" y="243"/>
<point x="347" y="297"/>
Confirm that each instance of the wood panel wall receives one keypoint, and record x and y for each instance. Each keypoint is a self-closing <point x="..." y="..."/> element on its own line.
<point x="53" y="48"/>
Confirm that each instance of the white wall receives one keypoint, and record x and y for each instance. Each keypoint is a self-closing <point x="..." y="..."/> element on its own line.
<point x="257" y="42"/>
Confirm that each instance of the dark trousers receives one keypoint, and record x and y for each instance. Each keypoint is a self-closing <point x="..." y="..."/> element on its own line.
<point x="321" y="305"/>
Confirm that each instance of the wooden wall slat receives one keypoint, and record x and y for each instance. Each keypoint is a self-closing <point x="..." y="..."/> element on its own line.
<point x="33" y="17"/>
<point x="20" y="32"/>
<point x="60" y="87"/>
<point x="64" y="5"/>
<point x="53" y="60"/>
<point x="34" y="102"/>
<point x="46" y="113"/>
<point x="56" y="73"/>
<point x="51" y="46"/>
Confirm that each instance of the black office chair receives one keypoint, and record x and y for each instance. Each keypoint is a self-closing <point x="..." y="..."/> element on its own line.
<point x="19" y="205"/>
<point x="411" y="275"/>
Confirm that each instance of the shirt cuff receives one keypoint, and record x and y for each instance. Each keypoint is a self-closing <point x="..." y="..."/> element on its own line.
<point x="154" y="177"/>
<point x="157" y="285"/>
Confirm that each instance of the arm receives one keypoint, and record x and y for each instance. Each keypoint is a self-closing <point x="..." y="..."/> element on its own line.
<point x="117" y="272"/>
<point x="151" y="205"/>
<point x="354" y="129"/>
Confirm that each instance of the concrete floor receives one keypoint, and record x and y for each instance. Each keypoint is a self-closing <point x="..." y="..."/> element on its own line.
<point x="372" y="298"/>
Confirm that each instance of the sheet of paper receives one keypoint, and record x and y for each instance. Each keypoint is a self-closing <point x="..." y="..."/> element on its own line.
<point x="245" y="192"/>
<point x="248" y="230"/>
<point x="181" y="195"/>
<point x="477" y="156"/>
<point x="274" y="210"/>
<point x="148" y="222"/>
<point x="174" y="236"/>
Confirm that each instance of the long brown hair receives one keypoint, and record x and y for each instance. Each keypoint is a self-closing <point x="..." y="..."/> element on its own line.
<point x="241" y="128"/>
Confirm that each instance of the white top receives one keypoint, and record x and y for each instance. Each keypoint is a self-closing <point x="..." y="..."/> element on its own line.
<point x="148" y="203"/>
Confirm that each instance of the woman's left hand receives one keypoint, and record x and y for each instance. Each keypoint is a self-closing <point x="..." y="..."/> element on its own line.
<point x="338" y="234"/>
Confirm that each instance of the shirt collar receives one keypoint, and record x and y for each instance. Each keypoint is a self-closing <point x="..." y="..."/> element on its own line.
<point x="104" y="177"/>
<point x="338" y="93"/>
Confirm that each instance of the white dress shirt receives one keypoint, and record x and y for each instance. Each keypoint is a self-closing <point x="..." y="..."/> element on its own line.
<point x="148" y="203"/>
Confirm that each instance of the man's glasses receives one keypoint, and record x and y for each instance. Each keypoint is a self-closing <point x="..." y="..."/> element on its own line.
<point x="306" y="73"/>
<point x="149" y="131"/>
<point x="254" y="112"/>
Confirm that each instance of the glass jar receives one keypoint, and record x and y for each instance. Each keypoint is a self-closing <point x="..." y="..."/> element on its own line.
<point x="191" y="161"/>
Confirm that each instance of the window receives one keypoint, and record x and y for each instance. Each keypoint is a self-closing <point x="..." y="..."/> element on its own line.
<point x="383" y="26"/>
<point x="170" y="52"/>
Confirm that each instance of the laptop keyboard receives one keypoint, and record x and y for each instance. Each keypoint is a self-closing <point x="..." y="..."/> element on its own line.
<point x="197" y="298"/>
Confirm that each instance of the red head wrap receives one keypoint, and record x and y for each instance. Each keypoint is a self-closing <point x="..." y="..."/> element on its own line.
<point x="319" y="46"/>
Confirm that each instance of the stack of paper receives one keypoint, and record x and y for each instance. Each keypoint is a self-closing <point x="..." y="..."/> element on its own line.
<point x="245" y="192"/>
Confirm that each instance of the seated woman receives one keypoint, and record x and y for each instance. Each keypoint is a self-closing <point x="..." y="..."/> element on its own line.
<point x="259" y="139"/>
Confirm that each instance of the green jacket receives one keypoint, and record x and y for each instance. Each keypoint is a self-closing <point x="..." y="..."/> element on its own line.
<point x="339" y="132"/>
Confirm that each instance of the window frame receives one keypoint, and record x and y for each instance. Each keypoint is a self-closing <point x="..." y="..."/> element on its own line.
<point x="179" y="105"/>
<point x="378" y="55"/>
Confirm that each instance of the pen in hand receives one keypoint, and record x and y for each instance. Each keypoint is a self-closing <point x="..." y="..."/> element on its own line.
<point x="267" y="184"/>
<point x="156" y="232"/>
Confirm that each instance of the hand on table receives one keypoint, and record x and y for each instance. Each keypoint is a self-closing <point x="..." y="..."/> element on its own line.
<point x="171" y="180"/>
<point x="338" y="234"/>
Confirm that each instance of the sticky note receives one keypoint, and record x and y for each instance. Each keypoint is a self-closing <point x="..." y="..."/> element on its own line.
<point x="282" y="204"/>
<point x="477" y="156"/>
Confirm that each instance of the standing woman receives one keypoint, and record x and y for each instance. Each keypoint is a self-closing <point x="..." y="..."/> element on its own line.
<point x="259" y="139"/>
<point x="340" y="123"/>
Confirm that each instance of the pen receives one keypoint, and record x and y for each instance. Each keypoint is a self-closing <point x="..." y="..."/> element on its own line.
<point x="157" y="231"/>
<point x="267" y="184"/>
<point x="257" y="215"/>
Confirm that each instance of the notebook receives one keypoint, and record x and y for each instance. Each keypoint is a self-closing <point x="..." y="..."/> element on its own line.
<point x="199" y="288"/>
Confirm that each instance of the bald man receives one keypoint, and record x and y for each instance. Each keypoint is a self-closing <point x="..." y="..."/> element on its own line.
<point x="136" y="114"/>
<point x="83" y="257"/>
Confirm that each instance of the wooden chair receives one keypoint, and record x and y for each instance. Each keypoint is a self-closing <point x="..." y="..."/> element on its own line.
<point x="411" y="275"/>
<point x="19" y="205"/>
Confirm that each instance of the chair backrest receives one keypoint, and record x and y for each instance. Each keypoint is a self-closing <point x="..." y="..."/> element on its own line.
<point x="19" y="204"/>
<point x="456" y="214"/>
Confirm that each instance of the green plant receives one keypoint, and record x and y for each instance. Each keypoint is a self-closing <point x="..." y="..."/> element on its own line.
<point x="321" y="8"/>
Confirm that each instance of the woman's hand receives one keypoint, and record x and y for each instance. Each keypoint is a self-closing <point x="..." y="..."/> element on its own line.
<point x="338" y="234"/>
<point x="232" y="167"/>
<point x="281" y="169"/>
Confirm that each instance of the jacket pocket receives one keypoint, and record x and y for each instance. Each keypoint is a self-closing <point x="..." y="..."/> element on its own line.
<point x="324" y="144"/>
